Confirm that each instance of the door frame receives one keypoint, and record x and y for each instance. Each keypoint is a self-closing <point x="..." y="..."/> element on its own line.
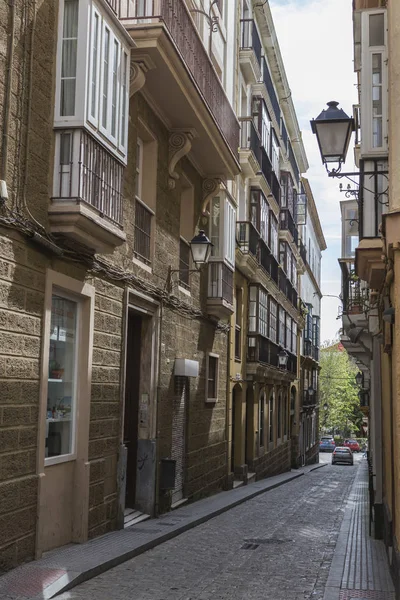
<point x="143" y="305"/>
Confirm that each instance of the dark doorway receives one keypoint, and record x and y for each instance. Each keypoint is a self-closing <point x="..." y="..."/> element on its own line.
<point x="248" y="426"/>
<point x="132" y="386"/>
<point x="233" y="430"/>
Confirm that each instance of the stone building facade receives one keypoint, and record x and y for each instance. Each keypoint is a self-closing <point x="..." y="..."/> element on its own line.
<point x="89" y="432"/>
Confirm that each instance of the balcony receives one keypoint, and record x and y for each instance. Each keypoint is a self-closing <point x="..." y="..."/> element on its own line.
<point x="303" y="252"/>
<point x="355" y="292"/>
<point x="247" y="238"/>
<point x="287" y="224"/>
<point x="86" y="206"/>
<point x="263" y="351"/>
<point x="286" y="287"/>
<point x="168" y="44"/>
<point x="268" y="262"/>
<point x="309" y="400"/>
<point x="250" y="51"/>
<point x="270" y="176"/>
<point x="310" y="350"/>
<point x="220" y="290"/>
<point x="250" y="149"/>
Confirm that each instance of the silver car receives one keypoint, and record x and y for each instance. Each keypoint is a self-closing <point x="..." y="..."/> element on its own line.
<point x="342" y="455"/>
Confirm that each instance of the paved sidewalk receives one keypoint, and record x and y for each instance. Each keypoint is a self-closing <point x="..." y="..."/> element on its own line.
<point x="62" y="569"/>
<point x="359" y="569"/>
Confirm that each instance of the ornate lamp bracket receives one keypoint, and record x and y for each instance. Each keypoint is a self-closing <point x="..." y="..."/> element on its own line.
<point x="138" y="70"/>
<point x="180" y="144"/>
<point x="210" y="188"/>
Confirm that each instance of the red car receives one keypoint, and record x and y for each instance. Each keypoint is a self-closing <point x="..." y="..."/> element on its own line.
<point x="353" y="445"/>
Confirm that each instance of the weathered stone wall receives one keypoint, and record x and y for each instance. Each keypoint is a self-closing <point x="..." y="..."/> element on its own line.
<point x="22" y="285"/>
<point x="273" y="462"/>
<point x="21" y="309"/>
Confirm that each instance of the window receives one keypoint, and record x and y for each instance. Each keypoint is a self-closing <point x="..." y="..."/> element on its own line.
<point x="184" y="263"/>
<point x="374" y="87"/>
<point x="283" y="256"/>
<point x="229" y="231"/>
<point x="272" y="320"/>
<point x="261" y="418"/>
<point x="294" y="337"/>
<point x="259" y="214"/>
<point x="282" y="324"/>
<point x="289" y="334"/>
<point x="275" y="154"/>
<point x="308" y="328"/>
<point x="94" y="67"/>
<point x="265" y="129"/>
<point x="69" y="58"/>
<point x="212" y="378"/>
<point x="145" y="193"/>
<point x="258" y="310"/>
<point x="114" y="95"/>
<point x="238" y="324"/>
<point x="61" y="393"/>
<point x="285" y="414"/>
<point x="273" y="235"/>
<point x="263" y="313"/>
<point x="142" y="242"/>
<point x="186" y="228"/>
<point x="377" y="106"/>
<point x="105" y="70"/>
<point x="271" y="416"/>
<point x="215" y="225"/>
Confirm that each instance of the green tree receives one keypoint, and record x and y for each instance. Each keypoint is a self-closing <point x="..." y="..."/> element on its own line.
<point x="339" y="403"/>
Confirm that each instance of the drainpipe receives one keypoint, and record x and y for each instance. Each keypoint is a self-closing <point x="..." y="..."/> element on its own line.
<point x="7" y="95"/>
<point x="157" y="473"/>
<point x="228" y="392"/>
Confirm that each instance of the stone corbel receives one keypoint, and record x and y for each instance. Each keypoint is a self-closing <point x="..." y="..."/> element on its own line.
<point x="138" y="70"/>
<point x="180" y="144"/>
<point x="210" y="188"/>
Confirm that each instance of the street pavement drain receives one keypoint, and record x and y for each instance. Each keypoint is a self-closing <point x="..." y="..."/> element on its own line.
<point x="268" y="541"/>
<point x="249" y="546"/>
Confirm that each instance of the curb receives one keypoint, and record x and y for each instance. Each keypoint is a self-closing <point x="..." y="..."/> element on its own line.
<point x="65" y="583"/>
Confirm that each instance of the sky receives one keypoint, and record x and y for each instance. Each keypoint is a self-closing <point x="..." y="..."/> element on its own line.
<point x="316" y="42"/>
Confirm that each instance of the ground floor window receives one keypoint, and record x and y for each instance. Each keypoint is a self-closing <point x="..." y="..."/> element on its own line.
<point x="61" y="393"/>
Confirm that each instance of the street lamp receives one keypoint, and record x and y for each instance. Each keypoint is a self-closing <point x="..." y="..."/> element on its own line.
<point x="359" y="378"/>
<point x="326" y="406"/>
<point x="333" y="129"/>
<point x="311" y="391"/>
<point x="200" y="247"/>
<point x="283" y="357"/>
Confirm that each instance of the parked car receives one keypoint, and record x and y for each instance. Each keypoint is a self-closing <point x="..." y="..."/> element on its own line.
<point x="342" y="455"/>
<point x="327" y="444"/>
<point x="353" y="445"/>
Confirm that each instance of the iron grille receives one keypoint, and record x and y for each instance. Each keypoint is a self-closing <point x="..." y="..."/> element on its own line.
<point x="142" y="232"/>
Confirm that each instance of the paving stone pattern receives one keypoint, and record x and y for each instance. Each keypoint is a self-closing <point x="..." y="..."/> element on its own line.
<point x="277" y="546"/>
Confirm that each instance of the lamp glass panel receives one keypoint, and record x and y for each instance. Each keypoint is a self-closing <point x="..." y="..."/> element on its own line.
<point x="333" y="138"/>
<point x="199" y="252"/>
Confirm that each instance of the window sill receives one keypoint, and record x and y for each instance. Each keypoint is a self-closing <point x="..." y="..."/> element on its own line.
<point x="184" y="290"/>
<point x="142" y="265"/>
<point x="211" y="400"/>
<point x="56" y="460"/>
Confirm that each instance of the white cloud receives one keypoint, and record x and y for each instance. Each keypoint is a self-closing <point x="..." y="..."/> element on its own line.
<point x="316" y="42"/>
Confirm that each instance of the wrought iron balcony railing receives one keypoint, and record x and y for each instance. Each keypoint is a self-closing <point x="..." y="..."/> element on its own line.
<point x="220" y="282"/>
<point x="270" y="176"/>
<point x="287" y="224"/>
<point x="88" y="173"/>
<point x="249" y="37"/>
<point x="268" y="261"/>
<point x="249" y="137"/>
<point x="309" y="399"/>
<point x="355" y="294"/>
<point x="176" y="17"/>
<point x="264" y="351"/>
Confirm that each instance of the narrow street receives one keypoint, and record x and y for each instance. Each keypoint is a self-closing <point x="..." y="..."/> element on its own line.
<point x="277" y="546"/>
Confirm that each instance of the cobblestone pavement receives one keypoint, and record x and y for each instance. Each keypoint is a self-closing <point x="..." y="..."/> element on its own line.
<point x="277" y="546"/>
